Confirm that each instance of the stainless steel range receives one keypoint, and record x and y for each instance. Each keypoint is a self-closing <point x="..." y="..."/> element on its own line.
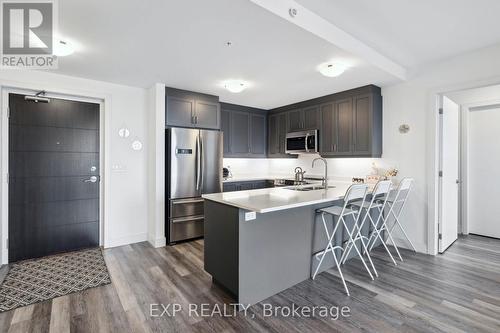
<point x="193" y="168"/>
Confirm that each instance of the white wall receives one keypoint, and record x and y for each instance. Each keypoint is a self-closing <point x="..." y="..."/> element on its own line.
<point x="126" y="211"/>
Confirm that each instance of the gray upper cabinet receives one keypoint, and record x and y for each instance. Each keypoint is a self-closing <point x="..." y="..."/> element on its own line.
<point x="207" y="114"/>
<point x="245" y="131"/>
<point x="278" y="126"/>
<point x="336" y="128"/>
<point x="327" y="141"/>
<point x="239" y="133"/>
<point x="342" y="127"/>
<point x="180" y="111"/>
<point x="258" y="124"/>
<point x="272" y="137"/>
<point x="362" y="118"/>
<point x="190" y="109"/>
<point x="352" y="126"/>
<point x="295" y="120"/>
<point x="303" y="119"/>
<point x="225" y="129"/>
<point x="311" y="117"/>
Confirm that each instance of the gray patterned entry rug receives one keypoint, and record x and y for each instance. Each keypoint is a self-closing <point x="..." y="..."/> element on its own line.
<point x="37" y="280"/>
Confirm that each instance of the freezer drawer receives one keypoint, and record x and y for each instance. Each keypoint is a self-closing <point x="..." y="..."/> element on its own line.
<point x="186" y="207"/>
<point x="187" y="227"/>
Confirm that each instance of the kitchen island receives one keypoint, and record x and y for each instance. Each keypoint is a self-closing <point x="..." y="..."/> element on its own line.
<point x="260" y="242"/>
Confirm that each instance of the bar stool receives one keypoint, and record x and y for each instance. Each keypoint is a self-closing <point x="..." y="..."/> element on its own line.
<point x="378" y="200"/>
<point x="400" y="196"/>
<point x="354" y="193"/>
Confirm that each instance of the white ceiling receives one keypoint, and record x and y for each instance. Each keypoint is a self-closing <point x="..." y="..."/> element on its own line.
<point x="415" y="32"/>
<point x="182" y="43"/>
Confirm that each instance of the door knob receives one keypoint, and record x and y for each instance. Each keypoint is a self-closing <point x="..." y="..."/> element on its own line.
<point x="92" y="179"/>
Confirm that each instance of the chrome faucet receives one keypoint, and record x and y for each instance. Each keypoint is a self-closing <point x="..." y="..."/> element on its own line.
<point x="325" y="178"/>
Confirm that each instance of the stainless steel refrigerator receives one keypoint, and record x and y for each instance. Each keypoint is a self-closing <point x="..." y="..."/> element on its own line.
<point x="193" y="168"/>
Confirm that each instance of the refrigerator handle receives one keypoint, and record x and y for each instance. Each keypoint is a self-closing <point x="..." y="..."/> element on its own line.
<point x="198" y="162"/>
<point x="202" y="163"/>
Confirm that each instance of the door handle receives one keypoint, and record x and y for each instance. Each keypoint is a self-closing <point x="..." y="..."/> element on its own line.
<point x="202" y="163"/>
<point x="198" y="163"/>
<point x="92" y="179"/>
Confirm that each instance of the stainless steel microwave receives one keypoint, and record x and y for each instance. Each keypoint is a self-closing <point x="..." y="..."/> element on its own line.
<point x="304" y="142"/>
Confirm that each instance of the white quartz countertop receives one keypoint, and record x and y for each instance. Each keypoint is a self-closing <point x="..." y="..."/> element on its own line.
<point x="279" y="198"/>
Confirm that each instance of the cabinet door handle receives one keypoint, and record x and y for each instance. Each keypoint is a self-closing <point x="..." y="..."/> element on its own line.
<point x="334" y="147"/>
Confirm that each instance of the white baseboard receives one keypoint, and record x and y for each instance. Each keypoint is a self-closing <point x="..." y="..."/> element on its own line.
<point x="125" y="240"/>
<point x="158" y="242"/>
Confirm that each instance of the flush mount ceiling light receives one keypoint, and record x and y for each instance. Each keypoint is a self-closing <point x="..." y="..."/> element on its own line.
<point x="235" y="86"/>
<point x="332" y="69"/>
<point x="63" y="48"/>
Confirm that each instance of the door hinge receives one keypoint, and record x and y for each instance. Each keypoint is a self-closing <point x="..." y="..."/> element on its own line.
<point x="440" y="110"/>
<point x="7" y="243"/>
<point x="7" y="178"/>
<point x="440" y="173"/>
<point x="440" y="236"/>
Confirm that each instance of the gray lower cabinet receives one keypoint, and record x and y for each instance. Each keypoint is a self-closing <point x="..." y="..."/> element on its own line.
<point x="246" y="185"/>
<point x="190" y="109"/>
<point x="245" y="131"/>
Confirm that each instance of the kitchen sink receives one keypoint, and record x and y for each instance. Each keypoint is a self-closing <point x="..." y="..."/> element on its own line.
<point x="308" y="188"/>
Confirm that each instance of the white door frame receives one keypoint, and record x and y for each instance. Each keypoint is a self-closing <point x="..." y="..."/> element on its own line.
<point x="104" y="102"/>
<point x="433" y="143"/>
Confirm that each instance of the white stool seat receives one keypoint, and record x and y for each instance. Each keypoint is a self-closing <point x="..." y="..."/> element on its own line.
<point x="337" y="210"/>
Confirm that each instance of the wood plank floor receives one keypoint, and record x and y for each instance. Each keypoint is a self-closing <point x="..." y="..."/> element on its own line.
<point x="455" y="292"/>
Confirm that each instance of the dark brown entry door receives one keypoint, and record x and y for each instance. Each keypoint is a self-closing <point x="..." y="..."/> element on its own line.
<point x="53" y="177"/>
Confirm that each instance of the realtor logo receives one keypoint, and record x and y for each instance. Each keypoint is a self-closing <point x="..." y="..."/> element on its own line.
<point x="28" y="34"/>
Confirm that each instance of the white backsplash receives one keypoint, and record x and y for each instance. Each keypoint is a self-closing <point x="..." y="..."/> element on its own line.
<point x="338" y="168"/>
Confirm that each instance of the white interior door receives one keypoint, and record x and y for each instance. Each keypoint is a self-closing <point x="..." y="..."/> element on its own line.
<point x="448" y="224"/>
<point x="483" y="182"/>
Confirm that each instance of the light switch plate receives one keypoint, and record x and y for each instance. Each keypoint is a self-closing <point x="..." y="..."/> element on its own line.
<point x="249" y="216"/>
